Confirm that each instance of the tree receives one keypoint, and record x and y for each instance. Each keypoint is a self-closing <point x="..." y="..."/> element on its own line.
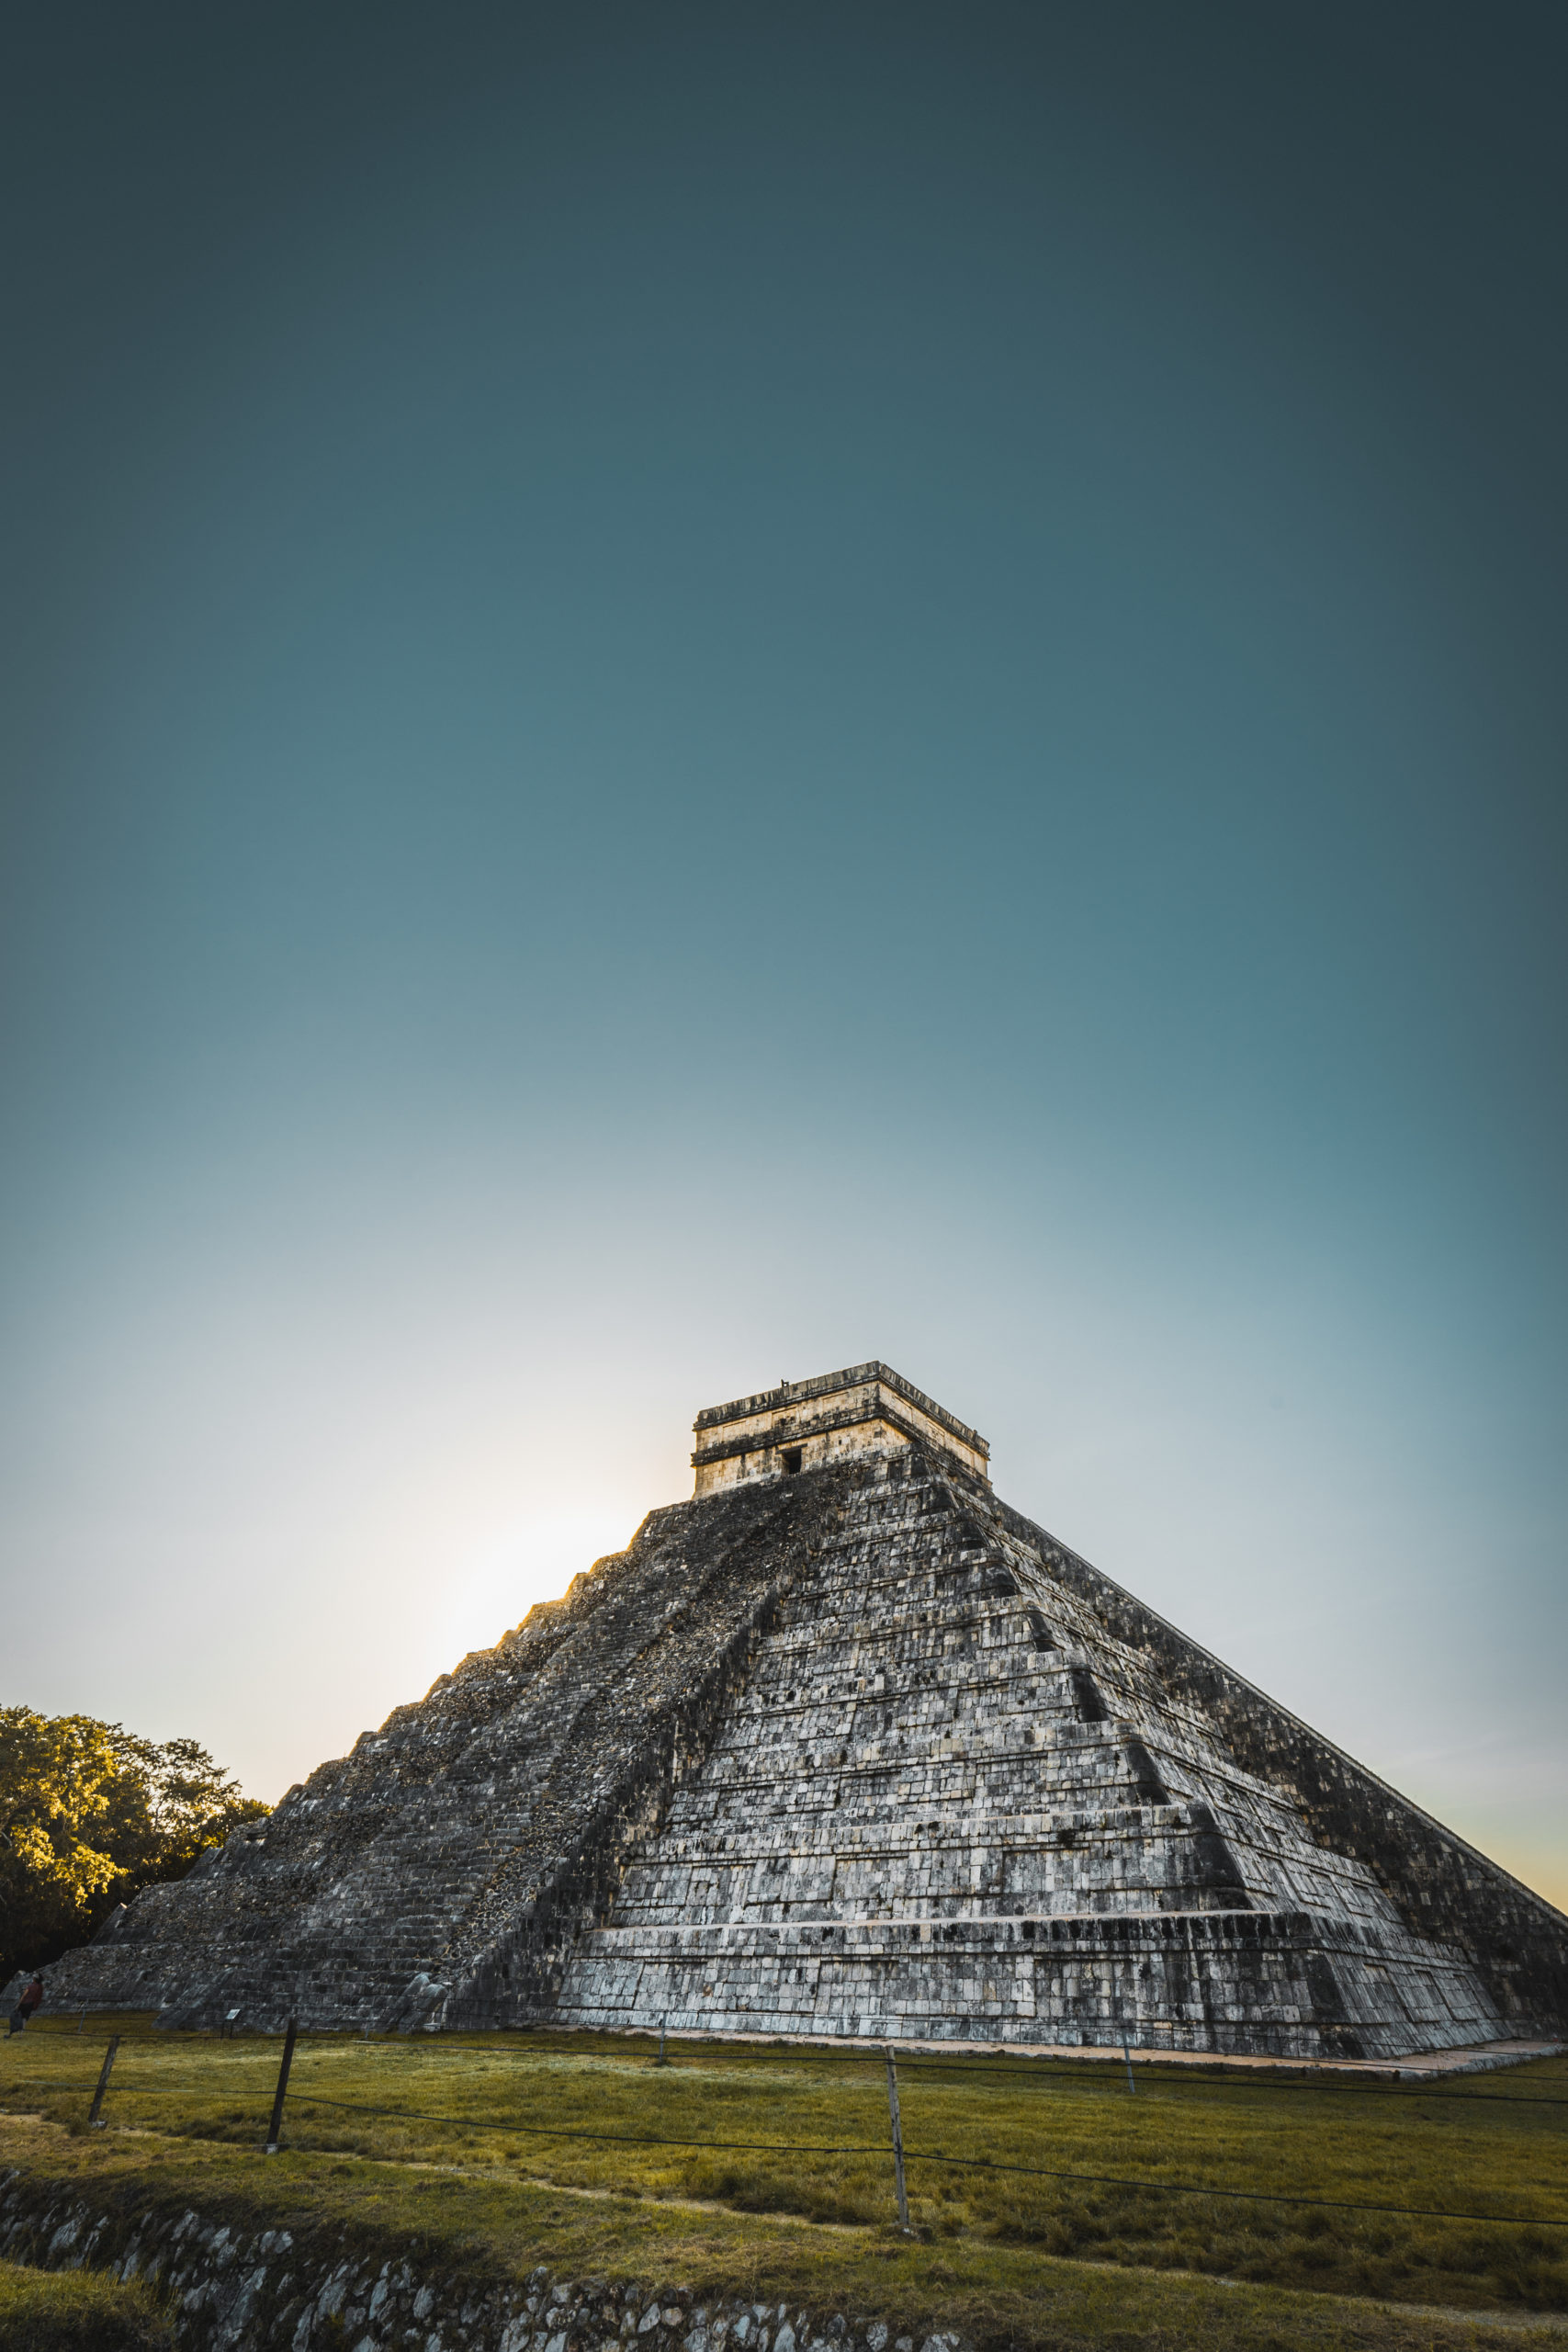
<point x="89" y="1814"/>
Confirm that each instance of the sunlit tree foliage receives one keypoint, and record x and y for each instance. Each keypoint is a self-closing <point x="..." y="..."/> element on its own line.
<point x="89" y="1814"/>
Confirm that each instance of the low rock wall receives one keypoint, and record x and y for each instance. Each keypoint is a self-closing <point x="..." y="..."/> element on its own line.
<point x="262" y="2291"/>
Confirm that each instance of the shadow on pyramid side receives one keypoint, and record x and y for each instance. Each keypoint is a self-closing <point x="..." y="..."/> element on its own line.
<point x="845" y="1746"/>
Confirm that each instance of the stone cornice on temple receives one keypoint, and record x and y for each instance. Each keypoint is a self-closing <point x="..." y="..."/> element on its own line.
<point x="867" y="1408"/>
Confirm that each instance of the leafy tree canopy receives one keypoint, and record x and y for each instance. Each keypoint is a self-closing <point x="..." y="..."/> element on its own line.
<point x="89" y="1815"/>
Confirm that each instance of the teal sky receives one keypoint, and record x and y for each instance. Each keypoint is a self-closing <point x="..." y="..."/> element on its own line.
<point x="693" y="693"/>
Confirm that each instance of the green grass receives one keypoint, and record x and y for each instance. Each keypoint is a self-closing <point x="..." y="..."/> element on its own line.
<point x="1490" y="2145"/>
<point x="75" y="2311"/>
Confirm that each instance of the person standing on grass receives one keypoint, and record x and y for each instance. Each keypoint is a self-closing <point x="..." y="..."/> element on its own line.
<point x="33" y="1996"/>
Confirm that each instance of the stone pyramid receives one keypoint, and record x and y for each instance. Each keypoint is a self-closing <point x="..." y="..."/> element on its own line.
<point x="845" y="1746"/>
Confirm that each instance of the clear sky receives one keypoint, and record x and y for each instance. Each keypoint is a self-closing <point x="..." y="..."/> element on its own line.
<point x="692" y="691"/>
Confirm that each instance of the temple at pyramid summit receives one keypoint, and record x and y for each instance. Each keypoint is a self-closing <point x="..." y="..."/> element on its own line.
<point x="842" y="1746"/>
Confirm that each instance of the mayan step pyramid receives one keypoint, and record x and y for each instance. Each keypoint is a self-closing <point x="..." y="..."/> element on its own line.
<point x="843" y="1746"/>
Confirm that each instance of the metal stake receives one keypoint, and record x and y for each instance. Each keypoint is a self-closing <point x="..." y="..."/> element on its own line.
<point x="275" y="2133"/>
<point x="104" y="2072"/>
<point x="1127" y="2054"/>
<point x="897" y="2139"/>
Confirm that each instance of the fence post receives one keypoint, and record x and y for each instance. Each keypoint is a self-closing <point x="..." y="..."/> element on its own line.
<point x="898" y="2138"/>
<point x="1128" y="2056"/>
<point x="104" y="2072"/>
<point x="662" y="2060"/>
<point x="272" y="2137"/>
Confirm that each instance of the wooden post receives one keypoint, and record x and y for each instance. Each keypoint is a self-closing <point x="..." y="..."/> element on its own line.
<point x="897" y="2139"/>
<point x="276" y="2131"/>
<point x="662" y="2060"/>
<point x="108" y="2068"/>
<point x="1127" y="2054"/>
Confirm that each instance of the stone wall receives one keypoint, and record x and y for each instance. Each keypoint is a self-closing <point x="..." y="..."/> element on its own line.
<point x="238" y="2291"/>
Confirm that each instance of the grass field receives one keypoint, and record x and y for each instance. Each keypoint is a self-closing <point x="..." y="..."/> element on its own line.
<point x="48" y="2311"/>
<point x="784" y="2152"/>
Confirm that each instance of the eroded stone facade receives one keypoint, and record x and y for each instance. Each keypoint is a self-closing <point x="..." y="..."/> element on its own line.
<point x="949" y="1804"/>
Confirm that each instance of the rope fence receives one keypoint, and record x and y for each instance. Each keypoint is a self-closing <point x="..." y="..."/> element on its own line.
<point x="931" y="2156"/>
<point x="902" y="2154"/>
<point x="1019" y="2072"/>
